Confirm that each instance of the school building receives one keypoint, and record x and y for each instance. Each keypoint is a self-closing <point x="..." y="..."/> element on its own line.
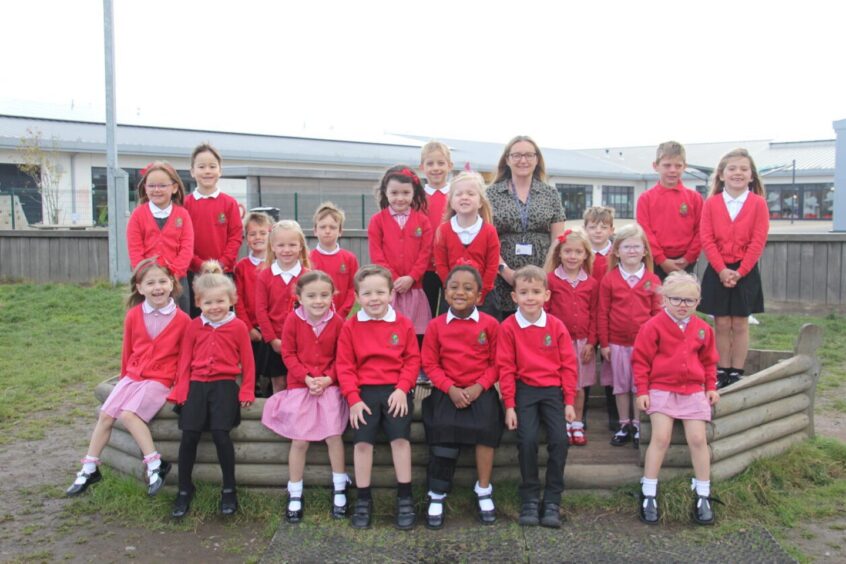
<point x="295" y="173"/>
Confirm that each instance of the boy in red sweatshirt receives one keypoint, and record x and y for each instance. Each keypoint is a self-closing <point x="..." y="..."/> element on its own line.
<point x="543" y="388"/>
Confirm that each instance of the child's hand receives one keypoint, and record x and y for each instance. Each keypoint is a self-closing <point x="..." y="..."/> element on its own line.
<point x="276" y="344"/>
<point x="511" y="418"/>
<point x="398" y="403"/>
<point x="255" y="334"/>
<point x="713" y="396"/>
<point x="587" y="354"/>
<point x="606" y="353"/>
<point x="681" y="263"/>
<point x="357" y="414"/>
<point x="403" y="284"/>
<point x="473" y="392"/>
<point x="246" y="404"/>
<point x="458" y="397"/>
<point x="669" y="266"/>
<point x="642" y="402"/>
<point x="569" y="413"/>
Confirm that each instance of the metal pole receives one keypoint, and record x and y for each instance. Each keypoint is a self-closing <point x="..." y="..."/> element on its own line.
<point x="12" y="207"/>
<point x="111" y="142"/>
<point x="795" y="195"/>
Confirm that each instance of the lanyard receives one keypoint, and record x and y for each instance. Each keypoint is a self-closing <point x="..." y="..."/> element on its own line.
<point x="521" y="208"/>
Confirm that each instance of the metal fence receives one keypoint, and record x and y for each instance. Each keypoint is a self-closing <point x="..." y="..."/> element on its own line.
<point x="301" y="206"/>
<point x="20" y="207"/>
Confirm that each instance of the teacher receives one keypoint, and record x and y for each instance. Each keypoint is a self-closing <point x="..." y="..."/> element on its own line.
<point x="527" y="213"/>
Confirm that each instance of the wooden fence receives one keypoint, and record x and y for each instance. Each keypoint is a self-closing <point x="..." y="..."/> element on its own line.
<point x="799" y="272"/>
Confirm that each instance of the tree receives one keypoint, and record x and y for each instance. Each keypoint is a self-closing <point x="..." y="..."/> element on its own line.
<point x="42" y="165"/>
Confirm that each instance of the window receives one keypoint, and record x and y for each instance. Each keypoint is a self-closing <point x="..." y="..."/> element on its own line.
<point x="17" y="184"/>
<point x="621" y="198"/>
<point x="576" y="199"/>
<point x="800" y="201"/>
<point x="100" y="195"/>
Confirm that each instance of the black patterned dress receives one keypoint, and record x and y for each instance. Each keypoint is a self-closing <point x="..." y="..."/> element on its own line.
<point x="543" y="208"/>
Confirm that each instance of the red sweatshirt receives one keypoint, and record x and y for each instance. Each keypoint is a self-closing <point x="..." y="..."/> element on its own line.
<point x="536" y="356"/>
<point x="483" y="251"/>
<point x="600" y="266"/>
<point x="274" y="302"/>
<point x="406" y="251"/>
<point x="156" y="359"/>
<point x="461" y="353"/>
<point x="218" y="229"/>
<point x="174" y="242"/>
<point x="670" y="218"/>
<point x="435" y="208"/>
<point x="341" y="268"/>
<point x="246" y="274"/>
<point x="576" y="307"/>
<point x="623" y="310"/>
<point x="306" y="354"/>
<point x="665" y="358"/>
<point x="210" y="354"/>
<point x="376" y="353"/>
<point x="742" y="240"/>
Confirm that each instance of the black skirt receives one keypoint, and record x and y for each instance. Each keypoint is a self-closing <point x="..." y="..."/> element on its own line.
<point x="741" y="301"/>
<point x="482" y="423"/>
<point x="211" y="406"/>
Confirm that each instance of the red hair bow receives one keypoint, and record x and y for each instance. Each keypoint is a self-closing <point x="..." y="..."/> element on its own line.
<point x="563" y="237"/>
<point x="466" y="262"/>
<point x="409" y="172"/>
<point x="144" y="170"/>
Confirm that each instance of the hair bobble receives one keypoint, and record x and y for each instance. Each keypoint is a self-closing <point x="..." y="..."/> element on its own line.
<point x="563" y="237"/>
<point x="409" y="172"/>
<point x="466" y="262"/>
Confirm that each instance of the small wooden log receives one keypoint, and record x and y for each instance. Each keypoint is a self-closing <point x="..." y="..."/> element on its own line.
<point x="734" y="465"/>
<point x="770" y="391"/>
<point x="785" y="368"/>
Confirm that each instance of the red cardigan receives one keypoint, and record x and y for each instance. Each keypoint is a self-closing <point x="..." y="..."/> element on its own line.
<point x="306" y="354"/>
<point x="174" y="242"/>
<point x="600" y="266"/>
<point x="245" y="283"/>
<point x="665" y="358"/>
<point x="623" y="310"/>
<point x="376" y="353"/>
<point x="742" y="240"/>
<point x="461" y="353"/>
<point x="341" y="268"/>
<point x="217" y="223"/>
<point x="576" y="307"/>
<point x="156" y="359"/>
<point x="211" y="355"/>
<point x="537" y="356"/>
<point x="435" y="208"/>
<point x="406" y="251"/>
<point x="670" y="218"/>
<point x="274" y="302"/>
<point x="483" y="251"/>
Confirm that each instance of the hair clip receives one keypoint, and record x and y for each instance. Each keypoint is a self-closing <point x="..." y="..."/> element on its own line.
<point x="563" y="237"/>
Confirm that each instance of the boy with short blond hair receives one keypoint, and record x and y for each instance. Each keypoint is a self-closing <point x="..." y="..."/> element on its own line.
<point x="436" y="165"/>
<point x="340" y="264"/>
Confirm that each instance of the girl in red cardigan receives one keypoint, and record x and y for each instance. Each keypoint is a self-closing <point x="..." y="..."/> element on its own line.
<point x="312" y="407"/>
<point x="152" y="334"/>
<point x="628" y="297"/>
<point x="675" y="363"/>
<point x="401" y="240"/>
<point x="468" y="236"/>
<point x="574" y="298"/>
<point x="734" y="227"/>
<point x="285" y="263"/>
<point x="160" y="226"/>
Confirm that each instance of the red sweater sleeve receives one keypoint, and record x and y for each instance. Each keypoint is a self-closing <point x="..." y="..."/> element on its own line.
<point x="569" y="374"/>
<point x="431" y="356"/>
<point x="411" y="355"/>
<point x="695" y="248"/>
<point x="296" y="369"/>
<point x="491" y="266"/>
<point x="424" y="257"/>
<point x="441" y="252"/>
<point x="346" y="365"/>
<point x="349" y="300"/>
<point x="248" y="364"/>
<point x="706" y="232"/>
<point x="593" y="316"/>
<point x="760" y="229"/>
<point x="645" y="349"/>
<point x="135" y="237"/>
<point x="182" y="262"/>
<point x="506" y="363"/>
<point x="179" y="393"/>
<point x="127" y="341"/>
<point x="234" y="237"/>
<point x="375" y="234"/>
<point x="241" y="288"/>
<point x="491" y="374"/>
<point x="644" y="219"/>
<point x="603" y="313"/>
<point x="262" y="306"/>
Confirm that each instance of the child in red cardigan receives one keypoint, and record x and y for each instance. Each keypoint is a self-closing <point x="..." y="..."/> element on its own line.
<point x="216" y="216"/>
<point x="537" y="372"/>
<point x="628" y="297"/>
<point x="257" y="229"/>
<point x="675" y="363"/>
<point x="436" y="165"/>
<point x="378" y="362"/>
<point x="152" y="333"/>
<point x="312" y="407"/>
<point x="669" y="213"/>
<point x="574" y="299"/>
<point x="468" y="236"/>
<point x="735" y="224"/>
<point x="160" y="226"/>
<point x="215" y="351"/>
<point x="329" y="257"/>
<point x="400" y="238"/>
<point x="285" y="263"/>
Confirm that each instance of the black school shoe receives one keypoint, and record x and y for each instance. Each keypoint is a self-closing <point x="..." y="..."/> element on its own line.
<point x="636" y="436"/>
<point x="550" y="515"/>
<point x="648" y="509"/>
<point x="529" y="514"/>
<point x="703" y="510"/>
<point x="406" y="515"/>
<point x="435" y="522"/>
<point x="486" y="517"/>
<point x="339" y="511"/>
<point x="362" y="514"/>
<point x="160" y="473"/>
<point x="622" y="436"/>
<point x="294" y="517"/>
<point x="182" y="505"/>
<point x="228" y="502"/>
<point x="722" y="378"/>
<point x="92" y="478"/>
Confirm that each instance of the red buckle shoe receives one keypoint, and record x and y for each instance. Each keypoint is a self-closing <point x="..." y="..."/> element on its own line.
<point x="578" y="438"/>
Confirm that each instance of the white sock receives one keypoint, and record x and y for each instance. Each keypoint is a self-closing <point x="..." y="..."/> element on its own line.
<point x="569" y="426"/>
<point x="339" y="482"/>
<point x="649" y="486"/>
<point x="702" y="487"/>
<point x="295" y="489"/>
<point x="484" y="504"/>
<point x="436" y="509"/>
<point x="89" y="464"/>
<point x="577" y="425"/>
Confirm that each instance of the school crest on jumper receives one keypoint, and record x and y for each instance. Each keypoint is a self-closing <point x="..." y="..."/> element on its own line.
<point x="394" y="339"/>
<point x="483" y="338"/>
<point x="647" y="285"/>
<point x="343" y="267"/>
<point x="701" y="334"/>
<point x="683" y="210"/>
<point x="418" y="232"/>
<point x="547" y="340"/>
<point x="221" y="218"/>
<point x="178" y="222"/>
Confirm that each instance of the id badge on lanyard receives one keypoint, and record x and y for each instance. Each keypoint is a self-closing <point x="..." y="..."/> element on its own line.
<point x="522" y="249"/>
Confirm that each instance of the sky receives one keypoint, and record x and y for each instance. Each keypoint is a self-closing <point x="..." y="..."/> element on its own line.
<point x="570" y="74"/>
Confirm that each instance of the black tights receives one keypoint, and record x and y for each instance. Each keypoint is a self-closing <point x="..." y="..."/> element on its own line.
<point x="188" y="455"/>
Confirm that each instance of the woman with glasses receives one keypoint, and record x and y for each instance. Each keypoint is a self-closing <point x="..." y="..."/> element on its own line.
<point x="527" y="213"/>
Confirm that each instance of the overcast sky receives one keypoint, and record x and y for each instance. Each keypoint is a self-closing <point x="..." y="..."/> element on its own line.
<point x="571" y="74"/>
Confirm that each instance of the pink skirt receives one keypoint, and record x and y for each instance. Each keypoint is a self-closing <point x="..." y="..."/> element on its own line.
<point x="680" y="406"/>
<point x="606" y="376"/>
<point x="621" y="368"/>
<point x="144" y="398"/>
<point x="297" y="415"/>
<point x="415" y="306"/>
<point x="587" y="371"/>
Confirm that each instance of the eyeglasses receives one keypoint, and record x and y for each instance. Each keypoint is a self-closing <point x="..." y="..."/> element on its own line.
<point x="159" y="186"/>
<point x="676" y="301"/>
<point x="520" y="156"/>
<point x="631" y="248"/>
